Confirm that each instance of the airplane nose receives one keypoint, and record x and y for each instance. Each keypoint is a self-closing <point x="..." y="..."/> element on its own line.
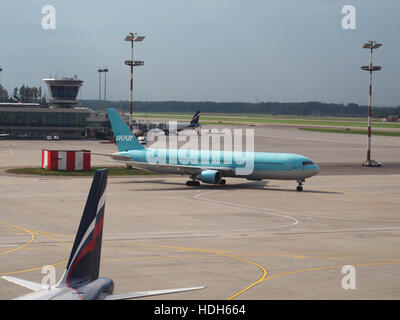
<point x="316" y="169"/>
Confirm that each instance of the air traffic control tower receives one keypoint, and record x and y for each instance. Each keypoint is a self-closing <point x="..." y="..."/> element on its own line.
<point x="63" y="91"/>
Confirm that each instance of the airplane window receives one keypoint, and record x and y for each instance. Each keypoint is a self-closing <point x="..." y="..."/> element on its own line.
<point x="307" y="162"/>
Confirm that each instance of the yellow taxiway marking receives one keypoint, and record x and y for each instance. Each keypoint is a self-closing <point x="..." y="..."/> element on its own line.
<point x="23" y="245"/>
<point x="265" y="273"/>
<point x="206" y="252"/>
<point x="10" y="149"/>
<point x="47" y="235"/>
<point x="331" y="267"/>
<point x="32" y="233"/>
<point x="32" y="269"/>
<point x="224" y="254"/>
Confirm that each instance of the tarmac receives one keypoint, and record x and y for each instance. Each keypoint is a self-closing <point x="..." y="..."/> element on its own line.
<point x="245" y="240"/>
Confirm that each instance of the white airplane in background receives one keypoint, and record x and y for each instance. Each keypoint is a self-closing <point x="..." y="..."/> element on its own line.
<point x="18" y="103"/>
<point x="193" y="124"/>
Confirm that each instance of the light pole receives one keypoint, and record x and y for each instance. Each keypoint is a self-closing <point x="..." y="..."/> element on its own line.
<point x="100" y="71"/>
<point x="371" y="44"/>
<point x="105" y="70"/>
<point x="132" y="37"/>
<point x="1" y="93"/>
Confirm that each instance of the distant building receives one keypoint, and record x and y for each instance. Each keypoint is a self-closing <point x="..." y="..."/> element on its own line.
<point x="391" y="119"/>
<point x="63" y="92"/>
<point x="62" y="118"/>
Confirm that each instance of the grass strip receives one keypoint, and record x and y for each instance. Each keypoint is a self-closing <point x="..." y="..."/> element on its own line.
<point x="349" y="122"/>
<point x="353" y="131"/>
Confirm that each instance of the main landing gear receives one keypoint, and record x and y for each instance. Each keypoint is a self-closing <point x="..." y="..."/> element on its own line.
<point x="300" y="185"/>
<point x="193" y="183"/>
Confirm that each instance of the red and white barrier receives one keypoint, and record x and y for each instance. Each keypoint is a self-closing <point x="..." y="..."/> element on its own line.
<point x="66" y="160"/>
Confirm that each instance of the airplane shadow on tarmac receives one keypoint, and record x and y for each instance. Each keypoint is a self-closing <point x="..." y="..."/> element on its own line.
<point x="263" y="185"/>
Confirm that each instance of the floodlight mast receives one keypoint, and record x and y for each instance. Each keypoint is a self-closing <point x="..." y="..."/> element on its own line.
<point x="100" y="71"/>
<point x="105" y="70"/>
<point x="371" y="44"/>
<point x="1" y="69"/>
<point x="132" y="37"/>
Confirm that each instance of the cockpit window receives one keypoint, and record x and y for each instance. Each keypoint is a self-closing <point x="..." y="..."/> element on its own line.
<point x="307" y="162"/>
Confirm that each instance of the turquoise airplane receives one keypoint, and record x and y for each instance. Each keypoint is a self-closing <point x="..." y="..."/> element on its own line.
<point x="208" y="166"/>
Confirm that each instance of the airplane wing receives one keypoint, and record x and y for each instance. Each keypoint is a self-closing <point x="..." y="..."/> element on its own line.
<point x="143" y="294"/>
<point x="24" y="283"/>
<point x="183" y="169"/>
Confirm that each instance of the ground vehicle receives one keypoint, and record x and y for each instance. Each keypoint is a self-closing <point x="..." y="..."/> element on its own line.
<point x="142" y="140"/>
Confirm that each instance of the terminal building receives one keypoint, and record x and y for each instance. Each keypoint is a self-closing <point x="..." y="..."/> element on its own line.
<point x="61" y="117"/>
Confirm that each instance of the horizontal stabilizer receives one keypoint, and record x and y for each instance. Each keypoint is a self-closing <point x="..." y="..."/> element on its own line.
<point x="133" y="295"/>
<point x="24" y="283"/>
<point x="113" y="156"/>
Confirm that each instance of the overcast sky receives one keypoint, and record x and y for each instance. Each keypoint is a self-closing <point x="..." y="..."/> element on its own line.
<point x="207" y="50"/>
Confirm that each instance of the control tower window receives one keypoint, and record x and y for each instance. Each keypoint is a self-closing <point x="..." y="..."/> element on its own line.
<point x="64" y="92"/>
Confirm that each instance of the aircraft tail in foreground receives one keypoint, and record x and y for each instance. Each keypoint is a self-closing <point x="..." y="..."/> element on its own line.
<point x="84" y="262"/>
<point x="81" y="277"/>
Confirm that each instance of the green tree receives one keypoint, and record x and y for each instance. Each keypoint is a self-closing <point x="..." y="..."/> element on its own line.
<point x="3" y="94"/>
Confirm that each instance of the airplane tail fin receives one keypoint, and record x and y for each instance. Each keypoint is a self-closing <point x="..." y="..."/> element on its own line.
<point x="195" y="119"/>
<point x="16" y="99"/>
<point x="124" y="138"/>
<point x="84" y="262"/>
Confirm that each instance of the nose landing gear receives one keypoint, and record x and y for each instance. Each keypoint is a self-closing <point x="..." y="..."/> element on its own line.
<point x="300" y="185"/>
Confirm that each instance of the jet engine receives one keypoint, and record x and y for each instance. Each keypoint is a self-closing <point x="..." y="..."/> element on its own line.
<point x="209" y="176"/>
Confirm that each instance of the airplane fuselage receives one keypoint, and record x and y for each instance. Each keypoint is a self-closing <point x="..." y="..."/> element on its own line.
<point x="260" y="165"/>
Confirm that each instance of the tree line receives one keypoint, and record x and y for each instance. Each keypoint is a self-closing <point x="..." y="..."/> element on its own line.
<point x="311" y="108"/>
<point x="24" y="94"/>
